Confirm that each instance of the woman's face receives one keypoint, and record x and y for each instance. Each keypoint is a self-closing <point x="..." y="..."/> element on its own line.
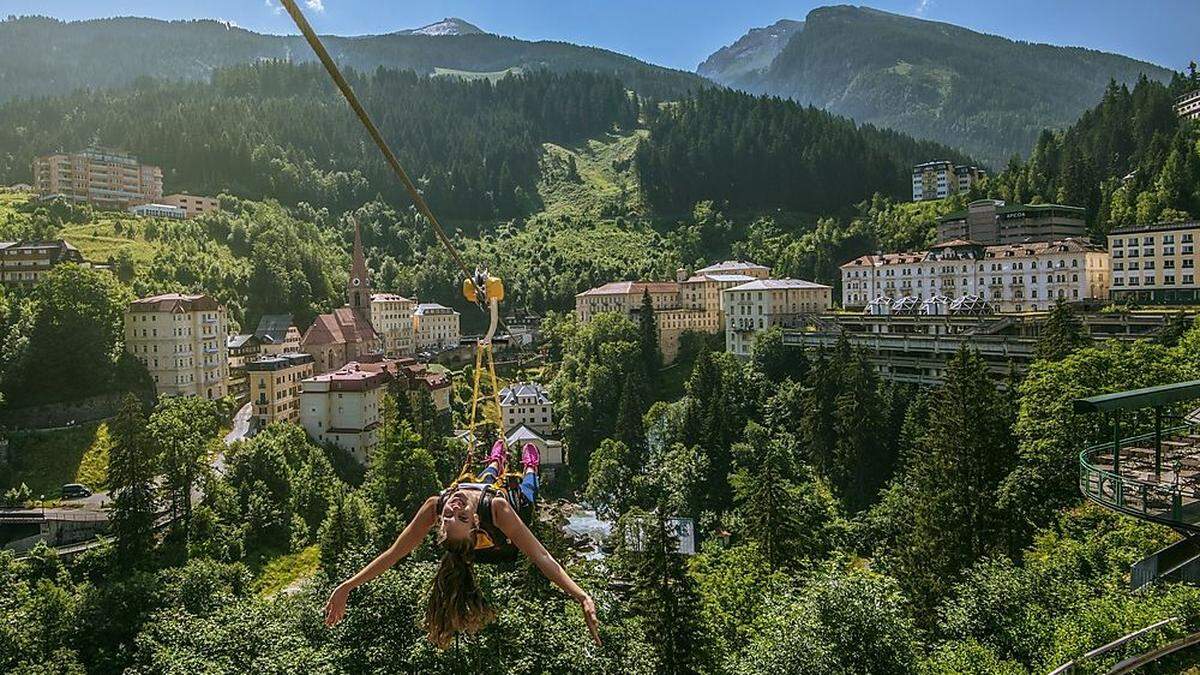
<point x="459" y="519"/>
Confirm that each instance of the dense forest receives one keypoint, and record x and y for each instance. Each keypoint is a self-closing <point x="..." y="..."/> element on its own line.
<point x="1129" y="160"/>
<point x="868" y="528"/>
<point x="988" y="95"/>
<point x="761" y="153"/>
<point x="282" y="131"/>
<point x="41" y="56"/>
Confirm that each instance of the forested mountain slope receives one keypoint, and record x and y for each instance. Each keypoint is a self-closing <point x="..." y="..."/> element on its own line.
<point x="1130" y="160"/>
<point x="985" y="94"/>
<point x="41" y="56"/>
<point x="280" y="130"/>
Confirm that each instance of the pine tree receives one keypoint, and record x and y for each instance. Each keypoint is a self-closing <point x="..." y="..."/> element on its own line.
<point x="182" y="428"/>
<point x="630" y="429"/>
<point x="965" y="453"/>
<point x="648" y="339"/>
<point x="665" y="596"/>
<point x="861" y="464"/>
<point x="1061" y="334"/>
<point x="132" y="466"/>
<point x="346" y="528"/>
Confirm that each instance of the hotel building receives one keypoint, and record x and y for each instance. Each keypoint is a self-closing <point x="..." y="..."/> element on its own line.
<point x="690" y="303"/>
<point x="274" y="383"/>
<point x="1188" y="105"/>
<point x="942" y="178"/>
<point x="104" y="178"/>
<point x="181" y="339"/>
<point x="753" y="307"/>
<point x="24" y="263"/>
<point x="393" y="318"/>
<point x="526" y="403"/>
<point x="1155" y="264"/>
<point x="1011" y="278"/>
<point x="435" y="327"/>
<point x="991" y="221"/>
<point x="192" y="205"/>
<point x="342" y="408"/>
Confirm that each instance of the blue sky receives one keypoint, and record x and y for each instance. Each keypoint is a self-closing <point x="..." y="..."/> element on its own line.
<point x="681" y="33"/>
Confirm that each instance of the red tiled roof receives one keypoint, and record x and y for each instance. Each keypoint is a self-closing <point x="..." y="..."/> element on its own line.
<point x="632" y="287"/>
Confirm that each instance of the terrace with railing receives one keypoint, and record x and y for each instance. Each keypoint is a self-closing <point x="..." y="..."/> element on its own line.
<point x="1154" y="475"/>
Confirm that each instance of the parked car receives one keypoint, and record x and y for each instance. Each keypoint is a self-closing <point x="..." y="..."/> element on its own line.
<point x="75" y="491"/>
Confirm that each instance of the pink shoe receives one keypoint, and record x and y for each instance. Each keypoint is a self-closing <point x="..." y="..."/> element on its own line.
<point x="530" y="457"/>
<point x="498" y="456"/>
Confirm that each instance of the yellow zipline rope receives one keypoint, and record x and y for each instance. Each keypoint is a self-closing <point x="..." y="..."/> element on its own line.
<point x="319" y="49"/>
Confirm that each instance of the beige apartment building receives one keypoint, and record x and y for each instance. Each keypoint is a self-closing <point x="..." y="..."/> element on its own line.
<point x="435" y="327"/>
<point x="393" y="318"/>
<point x="181" y="339"/>
<point x="1155" y="264"/>
<point x="342" y="407"/>
<point x="941" y="178"/>
<point x="1188" y="105"/>
<point x="192" y="205"/>
<point x="24" y="263"/>
<point x="274" y="385"/>
<point x="1021" y="277"/>
<point x="690" y="303"/>
<point x="529" y="404"/>
<point x="753" y="307"/>
<point x="104" y="178"/>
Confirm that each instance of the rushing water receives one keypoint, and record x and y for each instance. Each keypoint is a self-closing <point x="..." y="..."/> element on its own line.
<point x="583" y="522"/>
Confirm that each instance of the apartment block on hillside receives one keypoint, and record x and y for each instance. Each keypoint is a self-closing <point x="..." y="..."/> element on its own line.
<point x="1155" y="264"/>
<point x="101" y="177"/>
<point x="181" y="339"/>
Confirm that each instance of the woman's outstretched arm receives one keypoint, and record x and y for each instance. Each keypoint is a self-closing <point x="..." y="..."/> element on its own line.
<point x="518" y="533"/>
<point x="408" y="540"/>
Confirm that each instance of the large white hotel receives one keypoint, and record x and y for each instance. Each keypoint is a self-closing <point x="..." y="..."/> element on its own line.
<point x="1019" y="277"/>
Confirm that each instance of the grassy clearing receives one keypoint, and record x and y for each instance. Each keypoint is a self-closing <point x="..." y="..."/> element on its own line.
<point x="476" y="74"/>
<point x="105" y="238"/>
<point x="275" y="574"/>
<point x="46" y="460"/>
<point x="605" y="185"/>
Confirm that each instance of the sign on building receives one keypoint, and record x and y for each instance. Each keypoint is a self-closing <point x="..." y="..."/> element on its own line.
<point x="683" y="530"/>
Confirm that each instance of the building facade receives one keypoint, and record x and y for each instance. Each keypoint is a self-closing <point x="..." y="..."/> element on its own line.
<point x="240" y="349"/>
<point x="526" y="403"/>
<point x="274" y="385"/>
<point x="991" y="221"/>
<point x="1011" y="278"/>
<point x="104" y="178"/>
<point x="1155" y="264"/>
<point x="24" y="263"/>
<point x="753" y="307"/>
<point x="277" y="334"/>
<point x="435" y="327"/>
<point x="341" y="407"/>
<point x="942" y="178"/>
<point x="345" y="334"/>
<point x="1188" y="105"/>
<point x="414" y="377"/>
<point x="192" y="205"/>
<point x="690" y="303"/>
<point x="392" y="317"/>
<point x="156" y="210"/>
<point x="181" y="339"/>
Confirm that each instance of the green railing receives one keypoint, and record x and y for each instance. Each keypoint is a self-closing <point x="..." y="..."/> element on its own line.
<point x="1160" y="499"/>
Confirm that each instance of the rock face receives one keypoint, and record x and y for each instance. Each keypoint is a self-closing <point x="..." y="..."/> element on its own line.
<point x="738" y="64"/>
<point x="984" y="94"/>
<point x="447" y="26"/>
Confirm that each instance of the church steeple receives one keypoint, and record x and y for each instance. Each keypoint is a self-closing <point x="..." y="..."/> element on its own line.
<point x="358" y="288"/>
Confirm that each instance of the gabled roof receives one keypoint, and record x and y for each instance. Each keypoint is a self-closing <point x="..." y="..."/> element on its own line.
<point x="522" y="434"/>
<point x="777" y="284"/>
<point x="720" y="278"/>
<point x="238" y="341"/>
<point x="730" y="266"/>
<point x="174" y="302"/>
<point x="632" y="288"/>
<point x="341" y="326"/>
<point x="432" y="308"/>
<point x="273" y="326"/>
<point x="389" y="297"/>
<point x="511" y="393"/>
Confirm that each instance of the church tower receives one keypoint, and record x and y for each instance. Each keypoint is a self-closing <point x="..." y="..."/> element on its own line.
<point x="358" y="288"/>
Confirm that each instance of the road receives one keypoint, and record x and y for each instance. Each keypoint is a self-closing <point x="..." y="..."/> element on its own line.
<point x="241" y="429"/>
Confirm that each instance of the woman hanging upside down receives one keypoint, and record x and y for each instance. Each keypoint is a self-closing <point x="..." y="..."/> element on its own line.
<point x="475" y="522"/>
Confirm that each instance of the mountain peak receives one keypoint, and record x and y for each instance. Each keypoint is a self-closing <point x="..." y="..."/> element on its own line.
<point x="449" y="26"/>
<point x="752" y="52"/>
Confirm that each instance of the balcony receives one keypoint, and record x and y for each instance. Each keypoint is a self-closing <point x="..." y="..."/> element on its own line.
<point x="1154" y="476"/>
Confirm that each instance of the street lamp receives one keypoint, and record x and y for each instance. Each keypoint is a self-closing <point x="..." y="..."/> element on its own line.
<point x="42" y="499"/>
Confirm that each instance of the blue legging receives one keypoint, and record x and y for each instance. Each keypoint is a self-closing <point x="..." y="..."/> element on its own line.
<point x="529" y="482"/>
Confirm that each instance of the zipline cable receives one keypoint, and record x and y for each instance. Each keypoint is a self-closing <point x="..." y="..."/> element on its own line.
<point x="323" y="55"/>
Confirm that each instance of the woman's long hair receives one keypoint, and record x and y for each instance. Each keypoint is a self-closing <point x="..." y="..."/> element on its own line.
<point x="456" y="604"/>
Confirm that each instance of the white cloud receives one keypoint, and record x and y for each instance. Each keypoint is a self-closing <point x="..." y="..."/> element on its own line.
<point x="922" y="7"/>
<point x="315" y="5"/>
<point x="274" y="6"/>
